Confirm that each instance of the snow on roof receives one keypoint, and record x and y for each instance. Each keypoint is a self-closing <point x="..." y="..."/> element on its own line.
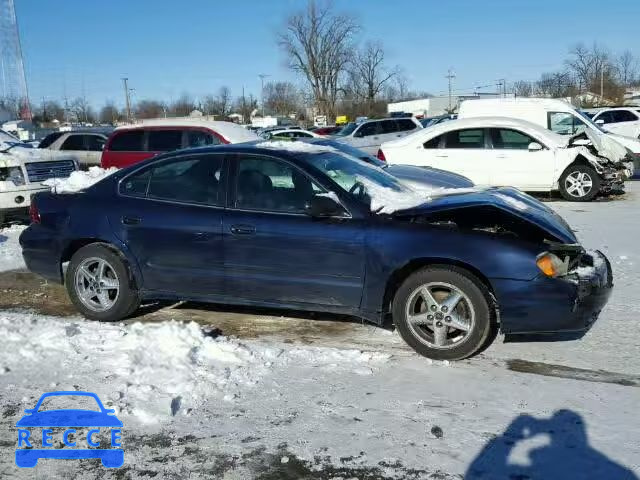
<point x="233" y="132"/>
<point x="297" y="147"/>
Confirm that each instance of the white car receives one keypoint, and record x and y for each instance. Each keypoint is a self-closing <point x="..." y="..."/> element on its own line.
<point x="620" y="120"/>
<point x="23" y="170"/>
<point x="370" y="134"/>
<point x="499" y="151"/>
<point x="84" y="147"/>
<point x="560" y="117"/>
<point x="288" y="132"/>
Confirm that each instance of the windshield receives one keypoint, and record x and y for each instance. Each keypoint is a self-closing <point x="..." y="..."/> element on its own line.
<point x="347" y="129"/>
<point x="381" y="192"/>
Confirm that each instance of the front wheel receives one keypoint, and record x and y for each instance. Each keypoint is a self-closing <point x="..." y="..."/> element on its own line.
<point x="579" y="183"/>
<point x="443" y="313"/>
<point x="98" y="284"/>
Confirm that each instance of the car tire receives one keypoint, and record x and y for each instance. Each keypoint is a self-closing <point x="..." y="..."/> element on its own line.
<point x="114" y="294"/>
<point x="474" y="310"/>
<point x="583" y="174"/>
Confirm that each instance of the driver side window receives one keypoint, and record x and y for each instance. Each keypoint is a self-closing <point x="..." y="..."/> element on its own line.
<point x="368" y="129"/>
<point x="564" y="123"/>
<point x="272" y="185"/>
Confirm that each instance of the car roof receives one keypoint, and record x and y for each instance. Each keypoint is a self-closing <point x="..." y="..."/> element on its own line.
<point x="229" y="130"/>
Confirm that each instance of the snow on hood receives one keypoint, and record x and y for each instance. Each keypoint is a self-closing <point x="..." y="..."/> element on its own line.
<point x="79" y="180"/>
<point x="154" y="370"/>
<point x="387" y="200"/>
<point x="297" y="147"/>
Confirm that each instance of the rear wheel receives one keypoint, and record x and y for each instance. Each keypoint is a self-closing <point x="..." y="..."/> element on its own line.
<point x="443" y="313"/>
<point x="579" y="183"/>
<point x="98" y="283"/>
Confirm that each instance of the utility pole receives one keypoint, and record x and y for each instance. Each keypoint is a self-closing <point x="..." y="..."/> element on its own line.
<point x="262" y="77"/>
<point x="244" y="108"/>
<point x="450" y="76"/>
<point x="502" y="83"/>
<point x="601" y="84"/>
<point x="125" y="80"/>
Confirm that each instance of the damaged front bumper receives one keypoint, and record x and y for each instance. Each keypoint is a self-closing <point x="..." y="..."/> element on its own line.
<point x="546" y="305"/>
<point x="612" y="180"/>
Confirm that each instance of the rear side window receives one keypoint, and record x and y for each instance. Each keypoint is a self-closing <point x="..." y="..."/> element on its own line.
<point x="471" y="138"/>
<point x="198" y="138"/>
<point x="389" y="126"/>
<point x="405" y="124"/>
<point x="164" y="140"/>
<point x="190" y="180"/>
<point x="130" y="141"/>
<point x="368" y="129"/>
<point x="73" y="142"/>
<point x="434" y="142"/>
<point x="95" y="143"/>
<point x="623" y="116"/>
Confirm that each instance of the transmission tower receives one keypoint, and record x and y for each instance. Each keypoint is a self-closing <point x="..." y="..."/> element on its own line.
<point x="13" y="84"/>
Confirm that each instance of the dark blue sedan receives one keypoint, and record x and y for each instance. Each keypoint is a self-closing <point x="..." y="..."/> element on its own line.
<point x="308" y="227"/>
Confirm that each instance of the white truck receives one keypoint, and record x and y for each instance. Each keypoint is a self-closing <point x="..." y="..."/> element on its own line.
<point x="23" y="170"/>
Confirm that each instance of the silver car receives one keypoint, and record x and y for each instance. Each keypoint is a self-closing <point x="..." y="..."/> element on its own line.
<point x="84" y="147"/>
<point x="370" y="134"/>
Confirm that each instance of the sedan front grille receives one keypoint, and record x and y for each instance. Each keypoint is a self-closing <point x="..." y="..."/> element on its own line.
<point x="41" y="171"/>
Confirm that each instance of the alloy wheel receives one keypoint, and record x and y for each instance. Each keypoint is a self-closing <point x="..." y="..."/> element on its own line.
<point x="578" y="184"/>
<point x="96" y="284"/>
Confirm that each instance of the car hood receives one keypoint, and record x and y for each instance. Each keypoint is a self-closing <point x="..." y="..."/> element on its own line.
<point x="607" y="145"/>
<point x="426" y="177"/>
<point x="69" y="418"/>
<point x="507" y="199"/>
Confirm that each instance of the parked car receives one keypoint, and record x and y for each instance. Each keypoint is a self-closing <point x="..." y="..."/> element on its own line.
<point x="289" y="132"/>
<point x="310" y="228"/>
<point x="23" y="170"/>
<point x="430" y="121"/>
<point x="620" y="120"/>
<point x="84" y="147"/>
<point x="423" y="179"/>
<point x="331" y="130"/>
<point x="131" y="144"/>
<point x="509" y="152"/>
<point x="370" y="134"/>
<point x="560" y="117"/>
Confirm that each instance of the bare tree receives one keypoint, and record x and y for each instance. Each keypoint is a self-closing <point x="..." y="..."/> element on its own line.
<point x="555" y="85"/>
<point x="318" y="45"/>
<point x="627" y="68"/>
<point x="81" y="110"/>
<point x="150" y="109"/>
<point x="523" y="88"/>
<point x="223" y="100"/>
<point x="183" y="106"/>
<point x="281" y="98"/>
<point x="109" y="114"/>
<point x="246" y="106"/>
<point x="368" y="75"/>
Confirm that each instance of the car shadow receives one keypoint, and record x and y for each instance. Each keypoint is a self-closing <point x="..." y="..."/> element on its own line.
<point x="549" y="449"/>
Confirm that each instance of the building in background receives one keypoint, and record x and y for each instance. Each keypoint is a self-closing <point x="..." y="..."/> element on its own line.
<point x="434" y="106"/>
<point x="13" y="84"/>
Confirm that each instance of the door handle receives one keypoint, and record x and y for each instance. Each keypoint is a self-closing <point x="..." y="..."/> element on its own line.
<point x="442" y="156"/>
<point x="126" y="220"/>
<point x="243" y="229"/>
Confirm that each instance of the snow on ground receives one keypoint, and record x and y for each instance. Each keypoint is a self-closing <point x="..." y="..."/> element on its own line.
<point x="10" y="251"/>
<point x="79" y="180"/>
<point x="203" y="406"/>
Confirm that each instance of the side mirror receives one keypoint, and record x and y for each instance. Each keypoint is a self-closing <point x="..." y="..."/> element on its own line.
<point x="534" y="147"/>
<point x="600" y="121"/>
<point x="322" y="206"/>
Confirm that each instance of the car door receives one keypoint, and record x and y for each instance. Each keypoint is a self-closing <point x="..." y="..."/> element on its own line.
<point x="170" y="217"/>
<point x="94" y="144"/>
<point x="275" y="252"/>
<point x="463" y="151"/>
<point x="513" y="164"/>
<point x="367" y="137"/>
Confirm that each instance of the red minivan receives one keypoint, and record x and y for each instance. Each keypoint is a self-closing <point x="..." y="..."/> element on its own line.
<point x="133" y="143"/>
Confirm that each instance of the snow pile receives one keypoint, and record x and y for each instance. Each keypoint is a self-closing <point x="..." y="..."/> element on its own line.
<point x="297" y="147"/>
<point x="79" y="180"/>
<point x="387" y="200"/>
<point x="150" y="370"/>
<point x="10" y="250"/>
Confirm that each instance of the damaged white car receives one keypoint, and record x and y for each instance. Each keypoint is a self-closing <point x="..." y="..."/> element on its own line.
<point x="23" y="170"/>
<point x="501" y="151"/>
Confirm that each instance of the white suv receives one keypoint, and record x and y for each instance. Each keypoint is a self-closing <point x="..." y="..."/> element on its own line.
<point x="621" y="120"/>
<point x="22" y="171"/>
<point x="370" y="134"/>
